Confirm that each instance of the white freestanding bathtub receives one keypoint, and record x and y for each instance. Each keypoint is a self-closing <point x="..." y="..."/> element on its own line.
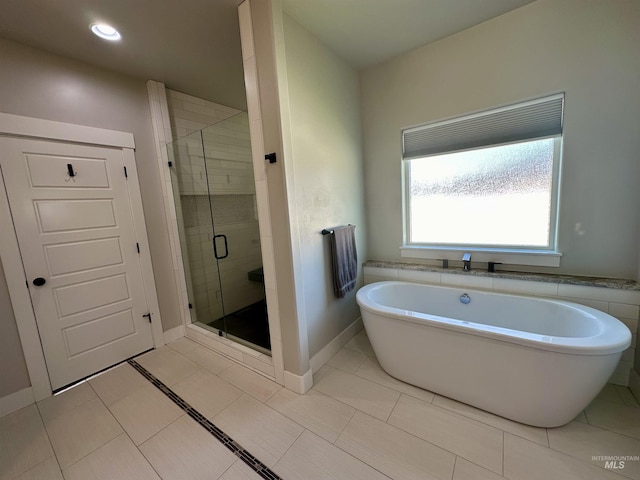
<point x="533" y="360"/>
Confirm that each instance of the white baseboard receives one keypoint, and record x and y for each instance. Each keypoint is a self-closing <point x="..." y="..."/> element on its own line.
<point x="334" y="346"/>
<point x="16" y="401"/>
<point x="174" y="334"/>
<point x="297" y="383"/>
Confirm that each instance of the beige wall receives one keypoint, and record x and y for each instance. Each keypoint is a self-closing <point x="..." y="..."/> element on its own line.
<point x="328" y="177"/>
<point x="588" y="50"/>
<point x="267" y="104"/>
<point x="34" y="83"/>
<point x="13" y="371"/>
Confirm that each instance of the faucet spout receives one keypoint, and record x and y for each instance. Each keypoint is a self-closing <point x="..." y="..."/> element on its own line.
<point x="466" y="262"/>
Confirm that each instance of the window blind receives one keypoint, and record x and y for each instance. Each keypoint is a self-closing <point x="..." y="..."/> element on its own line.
<point x="529" y="120"/>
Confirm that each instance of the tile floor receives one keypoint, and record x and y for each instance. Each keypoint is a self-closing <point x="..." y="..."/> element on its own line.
<point x="356" y="423"/>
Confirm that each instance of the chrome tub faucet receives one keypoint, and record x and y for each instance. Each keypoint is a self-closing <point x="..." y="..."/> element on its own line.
<point x="466" y="262"/>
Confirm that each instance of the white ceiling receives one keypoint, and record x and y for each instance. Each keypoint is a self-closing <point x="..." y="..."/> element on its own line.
<point x="366" y="32"/>
<point x="193" y="46"/>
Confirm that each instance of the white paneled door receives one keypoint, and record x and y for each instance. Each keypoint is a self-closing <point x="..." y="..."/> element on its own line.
<point x="73" y="218"/>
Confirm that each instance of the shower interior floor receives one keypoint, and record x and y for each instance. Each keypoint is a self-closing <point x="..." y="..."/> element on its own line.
<point x="250" y="324"/>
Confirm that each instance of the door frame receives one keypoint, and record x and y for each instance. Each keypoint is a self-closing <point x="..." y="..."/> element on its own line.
<point x="17" y="126"/>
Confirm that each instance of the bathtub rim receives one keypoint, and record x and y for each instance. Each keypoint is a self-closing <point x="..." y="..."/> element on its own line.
<point x="615" y="339"/>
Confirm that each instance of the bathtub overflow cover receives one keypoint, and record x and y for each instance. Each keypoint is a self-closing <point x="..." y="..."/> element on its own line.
<point x="464" y="298"/>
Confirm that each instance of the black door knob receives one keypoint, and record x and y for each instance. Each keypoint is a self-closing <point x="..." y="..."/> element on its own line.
<point x="38" y="282"/>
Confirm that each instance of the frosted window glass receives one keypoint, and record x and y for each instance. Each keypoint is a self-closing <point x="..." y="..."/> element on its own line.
<point x="497" y="196"/>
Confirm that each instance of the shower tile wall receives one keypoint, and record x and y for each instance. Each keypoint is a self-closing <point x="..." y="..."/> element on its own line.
<point x="189" y="114"/>
<point x="228" y="153"/>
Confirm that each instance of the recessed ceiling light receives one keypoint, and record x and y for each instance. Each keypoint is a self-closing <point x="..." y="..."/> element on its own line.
<point x="105" y="31"/>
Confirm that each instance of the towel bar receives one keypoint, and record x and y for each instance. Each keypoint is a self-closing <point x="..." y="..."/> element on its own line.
<point x="329" y="231"/>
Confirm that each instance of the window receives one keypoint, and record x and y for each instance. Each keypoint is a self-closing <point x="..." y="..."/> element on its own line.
<point x="486" y="182"/>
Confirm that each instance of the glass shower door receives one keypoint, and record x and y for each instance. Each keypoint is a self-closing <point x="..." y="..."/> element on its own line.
<point x="195" y="227"/>
<point x="229" y="166"/>
<point x="214" y="191"/>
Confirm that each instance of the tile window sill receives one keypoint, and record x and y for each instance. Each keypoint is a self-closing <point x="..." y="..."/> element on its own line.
<point x="512" y="257"/>
<point x="575" y="280"/>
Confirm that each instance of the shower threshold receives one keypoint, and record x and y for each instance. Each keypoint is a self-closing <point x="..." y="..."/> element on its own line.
<point x="253" y="346"/>
<point x="248" y="326"/>
<point x="219" y="333"/>
<point x="212" y="337"/>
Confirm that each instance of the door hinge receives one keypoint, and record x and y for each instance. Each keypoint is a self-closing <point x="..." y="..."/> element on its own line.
<point x="190" y="305"/>
<point x="125" y="173"/>
<point x="138" y="247"/>
<point x="148" y="316"/>
<point x="170" y="164"/>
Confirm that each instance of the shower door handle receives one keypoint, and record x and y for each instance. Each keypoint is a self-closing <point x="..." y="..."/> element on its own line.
<point x="215" y="247"/>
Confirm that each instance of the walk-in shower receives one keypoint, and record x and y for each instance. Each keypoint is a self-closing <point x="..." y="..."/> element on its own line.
<point x="214" y="192"/>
